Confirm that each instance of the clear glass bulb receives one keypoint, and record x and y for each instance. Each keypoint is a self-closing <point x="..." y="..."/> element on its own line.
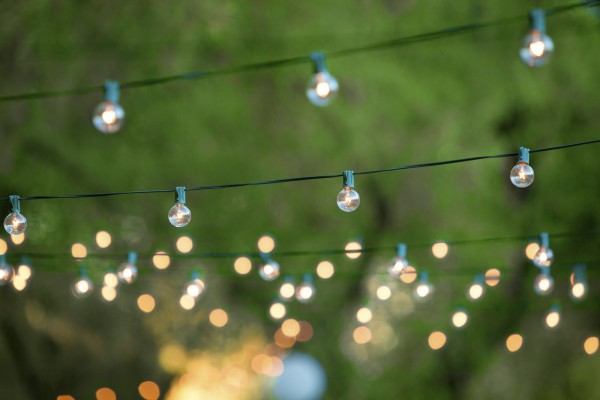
<point x="82" y="287"/>
<point x="7" y="273"/>
<point x="536" y="49"/>
<point x="543" y="284"/>
<point x="397" y="266"/>
<point x="544" y="257"/>
<point x="179" y="215"/>
<point x="269" y="271"/>
<point x="423" y="290"/>
<point x="348" y="199"/>
<point x="15" y="223"/>
<point x="305" y="292"/>
<point x="521" y="175"/>
<point x="322" y="88"/>
<point x="195" y="288"/>
<point x="108" y="117"/>
<point x="127" y="273"/>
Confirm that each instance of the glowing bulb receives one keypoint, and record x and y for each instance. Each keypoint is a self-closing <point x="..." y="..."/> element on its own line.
<point x="460" y="318"/>
<point x="269" y="271"/>
<point x="536" y="49"/>
<point x="287" y="289"/>
<point x="543" y="283"/>
<point x="384" y="292"/>
<point x="322" y="87"/>
<point x="109" y="116"/>
<point x="195" y="288"/>
<point x="187" y="302"/>
<point x="552" y="319"/>
<point x="544" y="257"/>
<point x="578" y="290"/>
<point x="127" y="272"/>
<point x="306" y="291"/>
<point x="397" y="266"/>
<point x="103" y="239"/>
<point x="277" y="310"/>
<point x="475" y="291"/>
<point x="83" y="286"/>
<point x="579" y="287"/>
<point x="266" y="244"/>
<point x="7" y="272"/>
<point x="364" y="315"/>
<point x="531" y="250"/>
<point x="423" y="290"/>
<point x="348" y="199"/>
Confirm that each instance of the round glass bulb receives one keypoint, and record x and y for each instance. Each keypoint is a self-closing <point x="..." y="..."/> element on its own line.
<point x="269" y="271"/>
<point x="195" y="288"/>
<point x="397" y="266"/>
<point x="7" y="273"/>
<point x="423" y="290"/>
<point x="305" y="292"/>
<point x="322" y="88"/>
<point x="15" y="223"/>
<point x="521" y="175"/>
<point x="348" y="199"/>
<point x="543" y="284"/>
<point x="179" y="215"/>
<point x="536" y="49"/>
<point x="82" y="287"/>
<point x="108" y="117"/>
<point x="544" y="257"/>
<point x="127" y="273"/>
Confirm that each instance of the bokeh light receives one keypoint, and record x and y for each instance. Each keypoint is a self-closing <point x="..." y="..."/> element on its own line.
<point x="362" y="335"/>
<point x="187" y="302"/>
<point x="364" y="315"/>
<point x="161" y="260"/>
<point x="436" y="340"/>
<point x="514" y="342"/>
<point x="531" y="250"/>
<point x="352" y="246"/>
<point x="78" y="250"/>
<point x="3" y="247"/>
<point x="19" y="283"/>
<point x="277" y="310"/>
<point x="460" y="318"/>
<point x="65" y="397"/>
<point x="287" y="290"/>
<point x="103" y="239"/>
<point x="306" y="332"/>
<point x="384" y="292"/>
<point x="109" y="293"/>
<point x="149" y="390"/>
<point x="18" y="239"/>
<point x="111" y="279"/>
<point x="218" y="317"/>
<point x="242" y="265"/>
<point x="439" y="250"/>
<point x="290" y="327"/>
<point x="590" y="346"/>
<point x="266" y="244"/>
<point x="146" y="303"/>
<point x="492" y="277"/>
<point x="552" y="319"/>
<point x="325" y="270"/>
<point x="409" y="275"/>
<point x="184" y="244"/>
<point x="24" y="271"/>
<point x="105" y="394"/>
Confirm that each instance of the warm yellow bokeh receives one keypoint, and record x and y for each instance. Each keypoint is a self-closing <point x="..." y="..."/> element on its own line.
<point x="409" y="275"/>
<point x="531" y="249"/>
<point x="187" y="302"/>
<point x="440" y="250"/>
<point x="362" y="335"/>
<point x="277" y="310"/>
<point x="514" y="342"/>
<point x="161" y="260"/>
<point x="146" y="303"/>
<point x="3" y="247"/>
<point x="109" y="293"/>
<point x="19" y="283"/>
<point x="364" y="315"/>
<point x="218" y="317"/>
<point x="552" y="319"/>
<point x="492" y="277"/>
<point x="24" y="271"/>
<point x="242" y="265"/>
<point x="351" y="248"/>
<point x="325" y="270"/>
<point x="149" y="390"/>
<point x="384" y="292"/>
<point x="590" y="346"/>
<point x="105" y="394"/>
<point x="266" y="244"/>
<point x="290" y="327"/>
<point x="460" y="319"/>
<point x="184" y="244"/>
<point x="78" y="250"/>
<point x="103" y="239"/>
<point x="436" y="340"/>
<point x="17" y="239"/>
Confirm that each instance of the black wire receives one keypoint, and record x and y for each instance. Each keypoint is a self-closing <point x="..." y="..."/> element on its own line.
<point x="423" y="37"/>
<point x="309" y="178"/>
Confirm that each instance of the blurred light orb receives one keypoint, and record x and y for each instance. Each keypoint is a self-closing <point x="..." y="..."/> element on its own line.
<point x="290" y="327"/>
<point x="283" y="341"/>
<point x="536" y="49"/>
<point x="15" y="223"/>
<point x="591" y="344"/>
<point x="544" y="257"/>
<point x="531" y="250"/>
<point x="269" y="271"/>
<point x="24" y="271"/>
<point x="306" y="332"/>
<point x="82" y="287"/>
<point x="302" y="378"/>
<point x="161" y="260"/>
<point x="423" y="290"/>
<point x="108" y="117"/>
<point x="543" y="284"/>
<point x="78" y="250"/>
<point x="522" y="175"/>
<point x="180" y="215"/>
<point x="277" y="310"/>
<point x="492" y="277"/>
<point x="218" y="317"/>
<point x="397" y="266"/>
<point x="3" y="247"/>
<point x="109" y="293"/>
<point x="305" y="292"/>
<point x="383" y="292"/>
<point x="348" y="199"/>
<point x="287" y="290"/>
<point x="127" y="273"/>
<point x="325" y="270"/>
<point x="242" y="265"/>
<point x="362" y="335"/>
<point x="322" y="88"/>
<point x="146" y="303"/>
<point x="187" y="302"/>
<point x="514" y="342"/>
<point x="111" y="280"/>
<point x="440" y="250"/>
<point x="266" y="244"/>
<point x="475" y="291"/>
<point x="578" y="290"/>
<point x="460" y="319"/>
<point x="552" y="319"/>
<point x="195" y="288"/>
<point x="18" y="238"/>
<point x="19" y="283"/>
<point x="353" y="250"/>
<point x="184" y="244"/>
<point x="7" y="273"/>
<point x="364" y="315"/>
<point x="409" y="275"/>
<point x="149" y="390"/>
<point x="436" y="340"/>
<point x="103" y="239"/>
<point x="105" y="394"/>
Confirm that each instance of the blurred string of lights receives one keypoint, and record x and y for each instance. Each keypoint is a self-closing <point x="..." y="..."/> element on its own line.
<point x="322" y="87"/>
<point x="348" y="199"/>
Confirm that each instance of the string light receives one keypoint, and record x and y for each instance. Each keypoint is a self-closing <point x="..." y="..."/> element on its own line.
<point x="187" y="302"/>
<point x="409" y="275"/>
<point x="277" y="310"/>
<point x="24" y="269"/>
<point x="322" y="87"/>
<point x="15" y="223"/>
<point x="364" y="315"/>
<point x="348" y="199"/>
<point x="514" y="342"/>
<point x="7" y="272"/>
<point x="127" y="272"/>
<point x="266" y="244"/>
<point x="287" y="288"/>
<point x="103" y="239"/>
<point x="83" y="286"/>
<point x="399" y="263"/>
<point x="436" y="340"/>
<point x="109" y="116"/>
<point x="269" y="270"/>
<point x="553" y="316"/>
<point x="579" y="289"/>
<point x="531" y="250"/>
<point x="78" y="251"/>
<point x="440" y="249"/>
<point x="179" y="214"/>
<point x="3" y="247"/>
<point x="111" y="279"/>
<point x="477" y="288"/>
<point x="537" y="46"/>
<point x="362" y="335"/>
<point x="544" y="256"/>
<point x="591" y="344"/>
<point x="353" y="249"/>
<point x="184" y="244"/>
<point x="424" y="289"/>
<point x="460" y="317"/>
<point x="305" y="292"/>
<point x="543" y="283"/>
<point x="195" y="287"/>
<point x="108" y="293"/>
<point x="18" y="239"/>
<point x="242" y="265"/>
<point x="521" y="175"/>
<point x="325" y="269"/>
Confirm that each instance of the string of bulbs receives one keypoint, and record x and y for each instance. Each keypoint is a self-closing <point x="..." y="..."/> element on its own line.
<point x="322" y="87"/>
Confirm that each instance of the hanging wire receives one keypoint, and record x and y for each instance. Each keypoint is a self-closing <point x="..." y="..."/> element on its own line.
<point x="393" y="43"/>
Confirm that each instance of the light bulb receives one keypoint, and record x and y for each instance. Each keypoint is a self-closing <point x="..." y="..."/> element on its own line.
<point x="544" y="257"/>
<point x="364" y="315"/>
<point x="552" y="318"/>
<point x="579" y="287"/>
<point x="543" y="283"/>
<point x="109" y="116"/>
<point x="537" y="47"/>
<point x="460" y="318"/>
<point x="475" y="292"/>
<point x="306" y="291"/>
<point x="348" y="199"/>
<point x="277" y="310"/>
<point x="269" y="271"/>
<point x="179" y="214"/>
<point x="82" y="287"/>
<point x="399" y="263"/>
<point x="15" y="223"/>
<point x="322" y="87"/>
<point x="111" y="280"/>
<point x="287" y="290"/>
<point x="521" y="175"/>
<point x="7" y="272"/>
<point x="195" y="288"/>
<point x="578" y="290"/>
<point x="423" y="289"/>
<point x="127" y="272"/>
